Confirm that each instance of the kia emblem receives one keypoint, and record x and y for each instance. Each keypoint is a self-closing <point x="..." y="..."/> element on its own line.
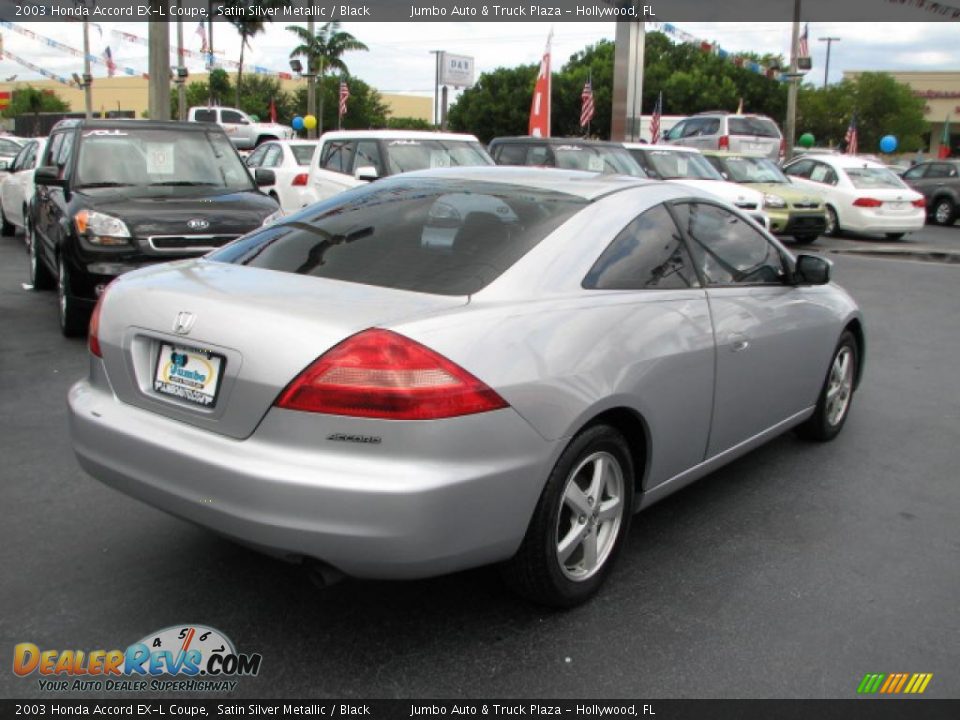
<point x="184" y="322"/>
<point x="198" y="224"/>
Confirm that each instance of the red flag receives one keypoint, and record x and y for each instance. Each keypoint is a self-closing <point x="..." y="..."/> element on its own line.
<point x="344" y="96"/>
<point x="805" y="41"/>
<point x="108" y="59"/>
<point x="655" y="120"/>
<point x="944" y="151"/>
<point x="851" y="137"/>
<point x="540" y="107"/>
<point x="273" y="111"/>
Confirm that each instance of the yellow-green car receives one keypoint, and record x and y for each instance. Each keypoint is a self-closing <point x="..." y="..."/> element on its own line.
<point x="793" y="211"/>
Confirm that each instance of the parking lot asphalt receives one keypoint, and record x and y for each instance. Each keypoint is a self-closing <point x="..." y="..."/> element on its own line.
<point x="790" y="573"/>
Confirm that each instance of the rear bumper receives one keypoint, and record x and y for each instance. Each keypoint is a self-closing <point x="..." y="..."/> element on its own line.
<point x="377" y="511"/>
<point x="871" y="222"/>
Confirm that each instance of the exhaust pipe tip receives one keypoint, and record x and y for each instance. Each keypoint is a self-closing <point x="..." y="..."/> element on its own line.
<point x="321" y="574"/>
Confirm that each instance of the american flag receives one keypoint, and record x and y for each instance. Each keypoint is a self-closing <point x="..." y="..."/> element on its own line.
<point x="655" y="120"/>
<point x="804" y="41"/>
<point x="851" y="137"/>
<point x="587" y="109"/>
<point x="344" y="96"/>
<point x="202" y="32"/>
<point x="108" y="59"/>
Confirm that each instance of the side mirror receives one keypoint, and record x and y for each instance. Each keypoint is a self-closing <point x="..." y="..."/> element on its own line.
<point x="812" y="270"/>
<point x="366" y="172"/>
<point x="262" y="177"/>
<point x="48" y="175"/>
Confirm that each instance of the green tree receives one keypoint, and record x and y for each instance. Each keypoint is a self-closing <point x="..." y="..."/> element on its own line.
<point x="365" y="108"/>
<point x="498" y="104"/>
<point x="883" y="107"/>
<point x="408" y="123"/>
<point x="324" y="53"/>
<point x="249" y="26"/>
<point x="31" y="100"/>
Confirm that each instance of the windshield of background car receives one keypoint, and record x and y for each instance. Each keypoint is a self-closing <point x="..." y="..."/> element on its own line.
<point x="303" y="153"/>
<point x="608" y="160"/>
<point x="753" y="170"/>
<point x="675" y="164"/>
<point x="760" y="127"/>
<point x="873" y="178"/>
<point x="407" y="155"/>
<point x="429" y="235"/>
<point x="159" y="156"/>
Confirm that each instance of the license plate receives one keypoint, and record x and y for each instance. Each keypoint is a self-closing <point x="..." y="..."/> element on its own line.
<point x="754" y="147"/>
<point x="897" y="205"/>
<point x="188" y="373"/>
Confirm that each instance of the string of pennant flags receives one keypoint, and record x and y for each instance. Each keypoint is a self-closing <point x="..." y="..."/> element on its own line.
<point x="50" y="42"/>
<point x="705" y="45"/>
<point x="37" y="69"/>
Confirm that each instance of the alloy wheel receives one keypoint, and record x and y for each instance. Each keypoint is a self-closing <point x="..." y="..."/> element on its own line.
<point x="840" y="386"/>
<point x="942" y="212"/>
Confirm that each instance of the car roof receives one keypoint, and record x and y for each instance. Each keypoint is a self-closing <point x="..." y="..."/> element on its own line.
<point x="587" y="185"/>
<point x="530" y="140"/>
<point x="121" y="123"/>
<point x="844" y="161"/>
<point x="396" y="134"/>
<point x="677" y="148"/>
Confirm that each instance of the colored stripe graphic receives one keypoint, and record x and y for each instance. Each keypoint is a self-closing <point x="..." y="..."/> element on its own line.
<point x="894" y="683"/>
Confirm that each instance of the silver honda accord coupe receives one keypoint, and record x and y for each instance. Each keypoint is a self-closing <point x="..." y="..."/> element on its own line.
<point x="462" y="366"/>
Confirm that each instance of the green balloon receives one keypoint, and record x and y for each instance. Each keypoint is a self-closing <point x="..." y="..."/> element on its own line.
<point x="254" y="118"/>
<point x="807" y="140"/>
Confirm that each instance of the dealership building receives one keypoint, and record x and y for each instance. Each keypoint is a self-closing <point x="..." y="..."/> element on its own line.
<point x="940" y="89"/>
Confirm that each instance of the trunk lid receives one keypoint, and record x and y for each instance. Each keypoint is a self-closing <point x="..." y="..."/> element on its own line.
<point x="262" y="326"/>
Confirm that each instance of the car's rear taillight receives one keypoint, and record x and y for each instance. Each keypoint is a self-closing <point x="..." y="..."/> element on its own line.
<point x="724" y="142"/>
<point x="380" y="374"/>
<point x="300" y="180"/>
<point x="920" y="203"/>
<point x="783" y="147"/>
<point x="93" y="333"/>
<point x="867" y="202"/>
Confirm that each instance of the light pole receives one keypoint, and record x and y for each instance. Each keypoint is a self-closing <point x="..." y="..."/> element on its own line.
<point x="793" y="76"/>
<point x="181" y="71"/>
<point x="436" y="88"/>
<point x="826" y="68"/>
<point x="87" y="77"/>
<point x="311" y="76"/>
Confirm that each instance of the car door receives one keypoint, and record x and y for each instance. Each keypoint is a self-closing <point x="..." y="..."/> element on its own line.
<point x="334" y="172"/>
<point x="940" y="177"/>
<point x="674" y="134"/>
<point x="11" y="190"/>
<point x="660" y="337"/>
<point x="772" y="338"/>
<point x="49" y="206"/>
<point x="237" y="128"/>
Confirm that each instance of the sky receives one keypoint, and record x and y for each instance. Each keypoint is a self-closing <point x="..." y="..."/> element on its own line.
<point x="399" y="59"/>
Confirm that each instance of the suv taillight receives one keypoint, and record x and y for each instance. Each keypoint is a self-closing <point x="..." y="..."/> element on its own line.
<point x="299" y="180"/>
<point x="381" y="374"/>
<point x="724" y="142"/>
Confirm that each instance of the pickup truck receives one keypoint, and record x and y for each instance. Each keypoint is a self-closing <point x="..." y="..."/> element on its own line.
<point x="243" y="132"/>
<point x="347" y="158"/>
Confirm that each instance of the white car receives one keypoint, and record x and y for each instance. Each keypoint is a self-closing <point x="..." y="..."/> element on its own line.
<point x="17" y="188"/>
<point x="687" y="166"/>
<point x="860" y="196"/>
<point x="290" y="162"/>
<point x="345" y="159"/>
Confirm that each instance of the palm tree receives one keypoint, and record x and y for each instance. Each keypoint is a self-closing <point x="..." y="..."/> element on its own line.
<point x="323" y="52"/>
<point x="249" y="28"/>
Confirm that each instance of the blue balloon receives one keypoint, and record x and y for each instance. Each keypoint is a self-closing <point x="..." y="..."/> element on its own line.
<point x="888" y="143"/>
<point x="297" y="123"/>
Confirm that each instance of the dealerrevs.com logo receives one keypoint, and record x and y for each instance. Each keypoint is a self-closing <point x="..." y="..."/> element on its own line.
<point x="200" y="659"/>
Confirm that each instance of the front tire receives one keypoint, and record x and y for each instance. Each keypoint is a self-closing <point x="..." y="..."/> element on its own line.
<point x="944" y="212"/>
<point x="73" y="319"/>
<point x="579" y="524"/>
<point x="895" y="236"/>
<point x="7" y="229"/>
<point x="833" y="405"/>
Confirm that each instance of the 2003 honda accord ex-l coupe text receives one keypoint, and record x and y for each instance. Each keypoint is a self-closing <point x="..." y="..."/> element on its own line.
<point x="462" y="366"/>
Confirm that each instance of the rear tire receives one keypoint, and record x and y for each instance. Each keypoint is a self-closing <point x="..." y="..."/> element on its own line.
<point x="836" y="396"/>
<point x="40" y="276"/>
<point x="833" y="224"/>
<point x="73" y="318"/>
<point x="7" y="229"/>
<point x="579" y="524"/>
<point x="895" y="236"/>
<point x="804" y="239"/>
<point x="944" y="212"/>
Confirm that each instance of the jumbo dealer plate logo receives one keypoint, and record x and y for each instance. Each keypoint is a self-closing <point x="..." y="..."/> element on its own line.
<point x="198" y="657"/>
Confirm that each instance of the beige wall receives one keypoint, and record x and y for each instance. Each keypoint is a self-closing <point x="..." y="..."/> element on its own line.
<point x="130" y="93"/>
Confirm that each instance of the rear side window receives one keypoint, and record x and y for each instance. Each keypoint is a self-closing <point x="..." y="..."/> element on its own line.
<point x="511" y="154"/>
<point x="648" y="254"/>
<point x="761" y="127"/>
<point x="426" y="235"/>
<point x="53" y="149"/>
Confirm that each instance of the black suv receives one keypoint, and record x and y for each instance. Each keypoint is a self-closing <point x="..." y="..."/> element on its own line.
<point x="565" y="153"/>
<point x="115" y="195"/>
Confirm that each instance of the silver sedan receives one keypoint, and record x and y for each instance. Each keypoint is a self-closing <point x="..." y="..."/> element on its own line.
<point x="459" y="367"/>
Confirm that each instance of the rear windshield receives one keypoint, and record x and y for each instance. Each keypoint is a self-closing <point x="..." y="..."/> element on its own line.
<point x="868" y="178"/>
<point x="407" y="155"/>
<point x="444" y="237"/>
<point x="303" y="153"/>
<point x="677" y="164"/>
<point x="753" y="126"/>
